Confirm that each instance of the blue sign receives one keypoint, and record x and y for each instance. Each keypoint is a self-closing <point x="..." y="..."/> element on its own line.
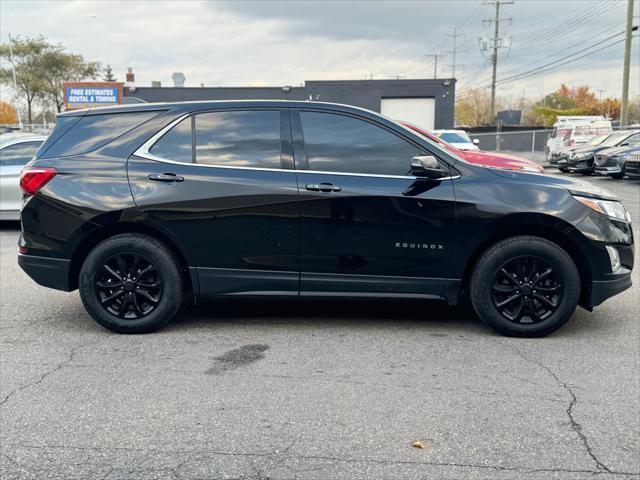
<point x="91" y="96"/>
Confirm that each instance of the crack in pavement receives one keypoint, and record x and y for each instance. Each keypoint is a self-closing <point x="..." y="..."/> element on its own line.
<point x="575" y="426"/>
<point x="44" y="375"/>
<point x="333" y="459"/>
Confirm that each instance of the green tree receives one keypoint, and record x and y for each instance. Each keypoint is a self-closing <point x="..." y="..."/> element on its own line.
<point x="29" y="75"/>
<point x="59" y="67"/>
<point x="108" y="74"/>
<point x="41" y="68"/>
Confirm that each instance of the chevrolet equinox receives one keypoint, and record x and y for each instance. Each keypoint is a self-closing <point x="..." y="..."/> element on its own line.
<point x="137" y="205"/>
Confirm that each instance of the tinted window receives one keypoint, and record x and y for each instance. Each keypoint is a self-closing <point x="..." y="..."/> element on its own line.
<point x="94" y="131"/>
<point x="18" y="153"/>
<point x="337" y="143"/>
<point x="176" y="143"/>
<point x="239" y="138"/>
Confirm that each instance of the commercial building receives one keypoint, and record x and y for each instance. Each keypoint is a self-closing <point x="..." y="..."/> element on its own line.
<point x="428" y="103"/>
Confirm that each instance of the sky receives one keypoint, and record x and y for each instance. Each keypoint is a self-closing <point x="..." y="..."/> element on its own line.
<point x="275" y="43"/>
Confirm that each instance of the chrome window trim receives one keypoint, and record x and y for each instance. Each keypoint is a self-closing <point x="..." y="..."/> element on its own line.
<point x="144" y="152"/>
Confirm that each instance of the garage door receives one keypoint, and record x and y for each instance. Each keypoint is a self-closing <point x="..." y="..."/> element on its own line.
<point x="419" y="111"/>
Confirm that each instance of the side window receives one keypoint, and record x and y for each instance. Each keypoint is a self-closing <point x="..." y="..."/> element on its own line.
<point x="338" y="143"/>
<point x="18" y="154"/>
<point x="176" y="144"/>
<point x="94" y="131"/>
<point x="238" y="138"/>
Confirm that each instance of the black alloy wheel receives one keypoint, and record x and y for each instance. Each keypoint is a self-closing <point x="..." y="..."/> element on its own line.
<point x="526" y="290"/>
<point x="131" y="283"/>
<point x="128" y="286"/>
<point x="525" y="286"/>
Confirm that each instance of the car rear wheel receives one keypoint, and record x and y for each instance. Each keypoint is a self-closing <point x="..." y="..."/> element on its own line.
<point x="525" y="286"/>
<point x="131" y="283"/>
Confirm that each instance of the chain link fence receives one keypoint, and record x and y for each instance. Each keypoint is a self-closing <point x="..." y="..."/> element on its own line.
<point x="520" y="141"/>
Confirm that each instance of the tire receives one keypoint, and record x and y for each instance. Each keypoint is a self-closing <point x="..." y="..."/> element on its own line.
<point x="125" y="303"/>
<point x="617" y="176"/>
<point x="490" y="287"/>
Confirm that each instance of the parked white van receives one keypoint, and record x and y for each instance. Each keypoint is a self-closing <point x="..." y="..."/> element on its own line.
<point x="571" y="131"/>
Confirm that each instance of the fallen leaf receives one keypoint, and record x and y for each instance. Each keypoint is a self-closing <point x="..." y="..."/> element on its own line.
<point x="417" y="444"/>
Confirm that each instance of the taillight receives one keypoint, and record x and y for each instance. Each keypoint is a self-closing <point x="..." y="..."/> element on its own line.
<point x="33" y="179"/>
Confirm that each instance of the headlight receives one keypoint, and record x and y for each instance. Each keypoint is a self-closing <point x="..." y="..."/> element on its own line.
<point x="606" y="207"/>
<point x="581" y="155"/>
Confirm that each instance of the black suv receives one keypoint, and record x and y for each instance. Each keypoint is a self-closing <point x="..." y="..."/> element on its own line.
<point x="137" y="205"/>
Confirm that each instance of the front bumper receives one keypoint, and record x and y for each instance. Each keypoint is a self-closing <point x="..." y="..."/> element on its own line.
<point x="585" y="165"/>
<point x="608" y="170"/>
<point x="602" y="290"/>
<point x="632" y="169"/>
<point x="607" y="165"/>
<point x="46" y="271"/>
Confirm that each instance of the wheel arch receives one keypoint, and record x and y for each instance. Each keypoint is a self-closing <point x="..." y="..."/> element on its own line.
<point x="102" y="233"/>
<point x="542" y="228"/>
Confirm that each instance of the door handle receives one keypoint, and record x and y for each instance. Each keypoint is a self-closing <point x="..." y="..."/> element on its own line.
<point x="323" y="187"/>
<point x="166" y="177"/>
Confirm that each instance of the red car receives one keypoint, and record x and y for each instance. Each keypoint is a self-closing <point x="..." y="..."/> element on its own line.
<point x="489" y="159"/>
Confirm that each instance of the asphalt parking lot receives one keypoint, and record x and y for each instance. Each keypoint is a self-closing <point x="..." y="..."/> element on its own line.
<point x="285" y="389"/>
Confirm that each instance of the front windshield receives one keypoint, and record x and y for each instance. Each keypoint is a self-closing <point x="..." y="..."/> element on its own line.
<point x="613" y="140"/>
<point x="598" y="139"/>
<point x="454" y="137"/>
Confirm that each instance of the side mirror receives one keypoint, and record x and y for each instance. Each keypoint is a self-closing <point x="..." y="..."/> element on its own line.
<point x="427" y="166"/>
<point x="475" y="141"/>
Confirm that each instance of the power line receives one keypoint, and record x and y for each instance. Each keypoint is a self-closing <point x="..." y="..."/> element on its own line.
<point x="545" y="67"/>
<point x="552" y="35"/>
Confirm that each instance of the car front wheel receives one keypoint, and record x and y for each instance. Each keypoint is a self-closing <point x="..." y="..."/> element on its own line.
<point x="131" y="283"/>
<point x="525" y="286"/>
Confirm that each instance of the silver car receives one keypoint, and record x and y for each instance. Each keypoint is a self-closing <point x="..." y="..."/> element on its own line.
<point x="16" y="149"/>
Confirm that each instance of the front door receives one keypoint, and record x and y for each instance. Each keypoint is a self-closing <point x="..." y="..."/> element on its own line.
<point x="222" y="183"/>
<point x="367" y="225"/>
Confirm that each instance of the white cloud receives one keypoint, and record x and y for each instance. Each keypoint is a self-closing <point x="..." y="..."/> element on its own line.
<point x="278" y="43"/>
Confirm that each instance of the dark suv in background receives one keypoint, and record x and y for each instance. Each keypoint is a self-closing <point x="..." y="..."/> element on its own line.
<point x="137" y="205"/>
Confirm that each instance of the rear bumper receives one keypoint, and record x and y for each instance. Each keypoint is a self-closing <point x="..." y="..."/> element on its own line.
<point x="45" y="271"/>
<point x="602" y="290"/>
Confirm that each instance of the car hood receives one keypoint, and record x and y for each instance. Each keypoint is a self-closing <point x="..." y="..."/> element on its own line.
<point x="608" y="152"/>
<point x="503" y="160"/>
<point x="573" y="185"/>
<point x="587" y="149"/>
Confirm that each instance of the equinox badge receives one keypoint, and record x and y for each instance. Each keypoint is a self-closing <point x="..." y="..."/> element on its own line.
<point x="422" y="246"/>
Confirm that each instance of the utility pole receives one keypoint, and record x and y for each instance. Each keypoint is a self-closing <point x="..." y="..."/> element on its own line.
<point x="600" y="92"/>
<point x="496" y="43"/>
<point x="435" y="57"/>
<point x="454" y="52"/>
<point x="624" y="106"/>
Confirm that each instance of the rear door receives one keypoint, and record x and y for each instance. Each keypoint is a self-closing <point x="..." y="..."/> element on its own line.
<point x="12" y="158"/>
<point x="222" y="184"/>
<point x="367" y="225"/>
